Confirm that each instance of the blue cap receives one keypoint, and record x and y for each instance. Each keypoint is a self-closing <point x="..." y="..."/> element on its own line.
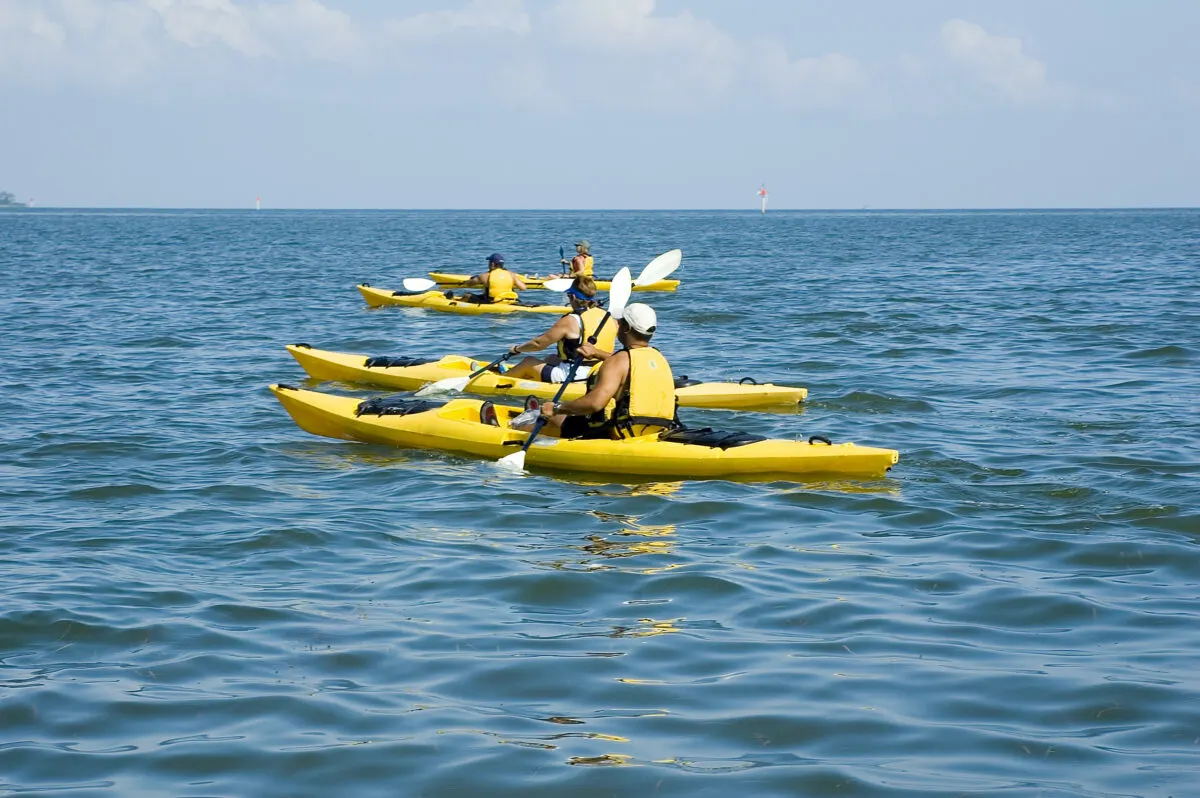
<point x="577" y="294"/>
<point x="496" y="257"/>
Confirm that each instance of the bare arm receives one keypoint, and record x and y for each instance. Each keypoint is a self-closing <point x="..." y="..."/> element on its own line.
<point x="478" y="279"/>
<point x="560" y="330"/>
<point x="518" y="283"/>
<point x="589" y="352"/>
<point x="612" y="376"/>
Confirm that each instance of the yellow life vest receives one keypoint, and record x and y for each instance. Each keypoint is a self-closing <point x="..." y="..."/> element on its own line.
<point x="589" y="321"/>
<point x="588" y="263"/>
<point x="646" y="403"/>
<point x="500" y="286"/>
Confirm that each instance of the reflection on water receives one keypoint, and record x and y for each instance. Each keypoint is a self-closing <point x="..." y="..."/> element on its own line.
<point x="545" y="742"/>
<point x="603" y="760"/>
<point x="881" y="487"/>
<point x="613" y="548"/>
<point x="648" y="627"/>
<point x="613" y="487"/>
<point x="631" y="540"/>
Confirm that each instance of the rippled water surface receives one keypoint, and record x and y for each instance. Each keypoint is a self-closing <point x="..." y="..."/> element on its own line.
<point x="200" y="599"/>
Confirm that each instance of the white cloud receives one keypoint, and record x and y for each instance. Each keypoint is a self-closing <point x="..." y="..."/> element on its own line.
<point x="116" y="41"/>
<point x="496" y="15"/>
<point x="830" y="79"/>
<point x="200" y="23"/>
<point x="607" y="53"/>
<point x="673" y="53"/>
<point x="25" y="30"/>
<point x="630" y="25"/>
<point x="308" y="29"/>
<point x="1000" y="60"/>
<point x="40" y="42"/>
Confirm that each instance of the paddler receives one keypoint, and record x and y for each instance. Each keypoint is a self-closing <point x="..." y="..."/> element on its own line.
<point x="637" y="380"/>
<point x="570" y="333"/>
<point x="582" y="265"/>
<point x="499" y="284"/>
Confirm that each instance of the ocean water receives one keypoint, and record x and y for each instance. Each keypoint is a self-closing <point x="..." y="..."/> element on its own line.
<point x="199" y="599"/>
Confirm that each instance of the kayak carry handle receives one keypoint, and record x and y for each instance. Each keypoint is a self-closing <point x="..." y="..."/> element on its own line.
<point x="820" y="439"/>
<point x="749" y="380"/>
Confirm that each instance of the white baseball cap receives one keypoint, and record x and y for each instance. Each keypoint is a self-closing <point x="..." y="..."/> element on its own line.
<point x="640" y="317"/>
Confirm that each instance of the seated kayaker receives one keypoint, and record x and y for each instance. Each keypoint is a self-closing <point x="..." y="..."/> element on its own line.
<point x="582" y="264"/>
<point x="570" y="333"/>
<point x="636" y="383"/>
<point x="500" y="285"/>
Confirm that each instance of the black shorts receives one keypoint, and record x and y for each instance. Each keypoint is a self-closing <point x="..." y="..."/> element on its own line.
<point x="577" y="427"/>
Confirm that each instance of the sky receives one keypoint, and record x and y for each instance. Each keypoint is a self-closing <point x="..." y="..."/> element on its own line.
<point x="600" y="104"/>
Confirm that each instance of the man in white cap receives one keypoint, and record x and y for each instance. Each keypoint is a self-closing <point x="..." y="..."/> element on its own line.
<point x="637" y="380"/>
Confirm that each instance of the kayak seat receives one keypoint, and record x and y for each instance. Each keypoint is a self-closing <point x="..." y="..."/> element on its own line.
<point x="682" y="381"/>
<point x="394" y="406"/>
<point x="487" y="415"/>
<point x="385" y="361"/>
<point x="707" y="436"/>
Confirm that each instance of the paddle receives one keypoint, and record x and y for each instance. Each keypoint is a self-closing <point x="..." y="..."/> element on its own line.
<point x="418" y="284"/>
<point x="654" y="271"/>
<point x="618" y="295"/>
<point x="452" y="383"/>
<point x="660" y="268"/>
<point x="559" y="284"/>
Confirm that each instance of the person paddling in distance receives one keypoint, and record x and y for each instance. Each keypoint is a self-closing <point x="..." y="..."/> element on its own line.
<point x="637" y="380"/>
<point x="570" y="333"/>
<point x="582" y="265"/>
<point x="499" y="284"/>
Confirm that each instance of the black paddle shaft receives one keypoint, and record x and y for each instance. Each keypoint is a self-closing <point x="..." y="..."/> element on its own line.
<point x="493" y="364"/>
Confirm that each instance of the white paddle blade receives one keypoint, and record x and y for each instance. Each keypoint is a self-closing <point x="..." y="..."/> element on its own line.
<point x="660" y="268"/>
<point x="514" y="462"/>
<point x="418" y="284"/>
<point x="448" y="385"/>
<point x="618" y="294"/>
<point x="561" y="284"/>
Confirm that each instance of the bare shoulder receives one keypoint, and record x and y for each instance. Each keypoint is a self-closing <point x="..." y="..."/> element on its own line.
<point x="619" y="362"/>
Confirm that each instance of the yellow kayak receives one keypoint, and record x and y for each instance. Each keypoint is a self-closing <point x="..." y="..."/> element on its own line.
<point x="409" y="374"/>
<point x="448" y="280"/>
<point x="692" y="454"/>
<point x="436" y="300"/>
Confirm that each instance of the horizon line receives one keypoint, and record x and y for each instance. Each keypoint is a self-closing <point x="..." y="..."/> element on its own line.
<point x="252" y="209"/>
